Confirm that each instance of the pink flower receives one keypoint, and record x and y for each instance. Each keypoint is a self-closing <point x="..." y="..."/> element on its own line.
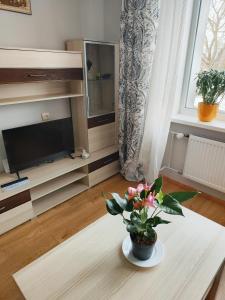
<point x="131" y="191"/>
<point x="150" y="201"/>
<point x="147" y="187"/>
<point x="140" y="188"/>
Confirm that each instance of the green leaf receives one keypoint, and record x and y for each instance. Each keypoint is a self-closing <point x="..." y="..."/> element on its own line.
<point x="149" y="233"/>
<point x="144" y="215"/>
<point x="135" y="218"/>
<point x="171" y="206"/>
<point x="126" y="196"/>
<point x="131" y="228"/>
<point x="157" y="185"/>
<point x="183" y="196"/>
<point x="160" y="196"/>
<point x="113" y="208"/>
<point x="129" y="206"/>
<point x="143" y="194"/>
<point x="155" y="221"/>
<point x="126" y="221"/>
<point x="120" y="201"/>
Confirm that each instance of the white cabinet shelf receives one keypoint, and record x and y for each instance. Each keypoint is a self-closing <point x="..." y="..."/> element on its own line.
<point x="55" y="184"/>
<point x="57" y="197"/>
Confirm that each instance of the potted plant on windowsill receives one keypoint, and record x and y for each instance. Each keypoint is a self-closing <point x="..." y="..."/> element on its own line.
<point x="135" y="211"/>
<point x="211" y="86"/>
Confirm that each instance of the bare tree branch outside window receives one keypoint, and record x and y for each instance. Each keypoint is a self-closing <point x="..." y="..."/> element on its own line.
<point x="213" y="56"/>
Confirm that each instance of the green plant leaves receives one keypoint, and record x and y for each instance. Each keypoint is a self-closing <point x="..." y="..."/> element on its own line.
<point x="159" y="197"/>
<point x="171" y="206"/>
<point x="157" y="185"/>
<point x="129" y="206"/>
<point x="139" y="223"/>
<point x="131" y="228"/>
<point x="113" y="208"/>
<point x="155" y="221"/>
<point x="144" y="215"/>
<point x="118" y="205"/>
<point x="211" y="85"/>
<point x="183" y="196"/>
<point x="150" y="233"/>
<point x="120" y="201"/>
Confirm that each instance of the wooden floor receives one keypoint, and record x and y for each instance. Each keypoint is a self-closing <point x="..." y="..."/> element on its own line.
<point x="27" y="242"/>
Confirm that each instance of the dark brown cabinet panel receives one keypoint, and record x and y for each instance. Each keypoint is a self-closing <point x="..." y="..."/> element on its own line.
<point x="14" y="201"/>
<point x="31" y="75"/>
<point x="103" y="162"/>
<point x="101" y="120"/>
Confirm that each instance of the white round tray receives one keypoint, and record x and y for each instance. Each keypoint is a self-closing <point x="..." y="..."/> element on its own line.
<point x="156" y="257"/>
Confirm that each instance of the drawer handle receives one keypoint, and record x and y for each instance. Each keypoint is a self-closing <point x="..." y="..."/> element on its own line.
<point x="2" y="208"/>
<point x="36" y="75"/>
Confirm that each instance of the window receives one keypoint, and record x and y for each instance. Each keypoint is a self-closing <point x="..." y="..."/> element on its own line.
<point x="207" y="47"/>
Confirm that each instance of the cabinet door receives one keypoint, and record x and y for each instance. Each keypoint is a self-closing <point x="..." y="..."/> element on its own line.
<point x="100" y="78"/>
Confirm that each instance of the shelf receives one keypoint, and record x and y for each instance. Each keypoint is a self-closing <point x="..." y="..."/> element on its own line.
<point x="57" y="197"/>
<point x="48" y="171"/>
<point x="55" y="184"/>
<point x="37" y="98"/>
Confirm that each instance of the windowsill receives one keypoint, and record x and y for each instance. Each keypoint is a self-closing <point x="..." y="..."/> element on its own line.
<point x="188" y="120"/>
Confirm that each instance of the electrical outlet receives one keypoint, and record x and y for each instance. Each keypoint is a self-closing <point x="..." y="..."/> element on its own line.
<point x="45" y="116"/>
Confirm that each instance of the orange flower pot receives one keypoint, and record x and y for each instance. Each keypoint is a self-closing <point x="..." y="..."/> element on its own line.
<point x="207" y="112"/>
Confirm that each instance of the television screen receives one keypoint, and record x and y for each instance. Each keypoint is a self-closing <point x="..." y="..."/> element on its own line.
<point x="30" y="145"/>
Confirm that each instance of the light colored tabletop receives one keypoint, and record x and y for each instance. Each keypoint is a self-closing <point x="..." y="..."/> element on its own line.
<point x="90" y="265"/>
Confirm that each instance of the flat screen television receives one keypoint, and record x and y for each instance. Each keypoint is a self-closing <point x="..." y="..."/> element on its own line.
<point x="34" y="144"/>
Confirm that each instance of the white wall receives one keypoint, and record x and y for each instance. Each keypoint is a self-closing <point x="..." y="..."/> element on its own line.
<point x="92" y="19"/>
<point x="51" y="23"/>
<point x="112" y="20"/>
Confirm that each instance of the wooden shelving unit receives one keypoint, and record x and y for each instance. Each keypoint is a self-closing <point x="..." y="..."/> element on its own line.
<point x="56" y="184"/>
<point x="55" y="198"/>
<point x="29" y="76"/>
<point x="50" y="171"/>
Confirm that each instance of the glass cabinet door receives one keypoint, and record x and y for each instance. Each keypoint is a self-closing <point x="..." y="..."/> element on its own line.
<point x="100" y="77"/>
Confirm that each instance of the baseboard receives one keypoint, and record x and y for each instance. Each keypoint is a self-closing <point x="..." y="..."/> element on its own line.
<point x="209" y="193"/>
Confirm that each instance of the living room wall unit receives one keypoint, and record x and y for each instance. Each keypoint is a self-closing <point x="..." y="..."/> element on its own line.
<point x="39" y="76"/>
<point x="101" y="63"/>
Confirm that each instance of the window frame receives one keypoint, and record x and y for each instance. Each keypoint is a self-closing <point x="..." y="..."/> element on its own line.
<point x="194" y="52"/>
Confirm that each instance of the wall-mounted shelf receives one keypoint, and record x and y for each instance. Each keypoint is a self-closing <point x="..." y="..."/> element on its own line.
<point x="38" y="98"/>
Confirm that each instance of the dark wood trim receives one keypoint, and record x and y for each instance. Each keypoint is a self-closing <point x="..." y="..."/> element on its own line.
<point x="14" y="201"/>
<point x="103" y="162"/>
<point x="32" y="75"/>
<point x="101" y="120"/>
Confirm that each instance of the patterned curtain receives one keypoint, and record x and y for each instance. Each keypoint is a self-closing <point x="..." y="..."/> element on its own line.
<point x="139" y="22"/>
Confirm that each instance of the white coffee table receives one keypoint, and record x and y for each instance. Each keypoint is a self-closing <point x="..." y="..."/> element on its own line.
<point x="90" y="265"/>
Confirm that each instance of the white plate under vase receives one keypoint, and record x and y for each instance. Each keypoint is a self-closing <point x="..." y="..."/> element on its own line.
<point x="155" y="259"/>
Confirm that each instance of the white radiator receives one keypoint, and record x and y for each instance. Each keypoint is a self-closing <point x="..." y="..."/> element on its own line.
<point x="205" y="162"/>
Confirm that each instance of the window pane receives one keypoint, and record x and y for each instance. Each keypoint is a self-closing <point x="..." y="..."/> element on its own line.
<point x="213" y="49"/>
